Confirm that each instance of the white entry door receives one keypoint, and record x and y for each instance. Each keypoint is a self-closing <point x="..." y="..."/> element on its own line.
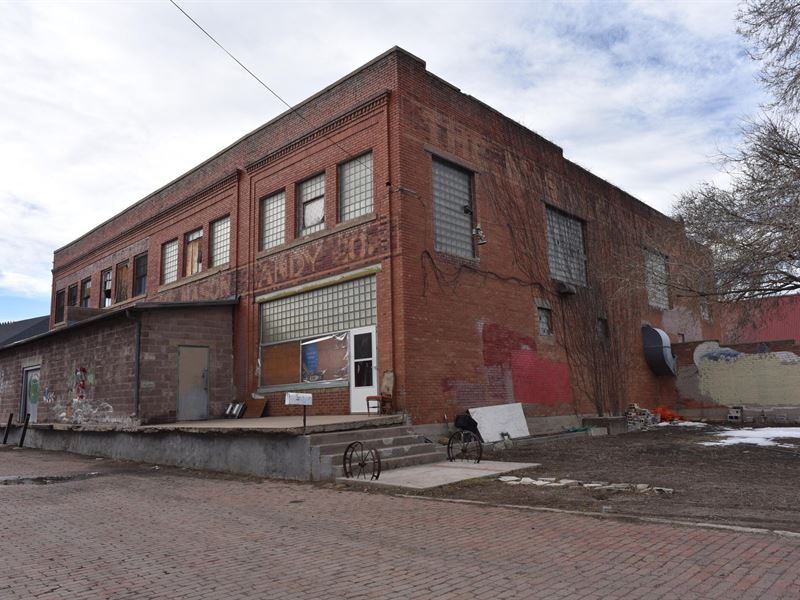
<point x="363" y="368"/>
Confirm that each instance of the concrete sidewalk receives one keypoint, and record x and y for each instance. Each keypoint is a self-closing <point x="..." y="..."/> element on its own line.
<point x="423" y="477"/>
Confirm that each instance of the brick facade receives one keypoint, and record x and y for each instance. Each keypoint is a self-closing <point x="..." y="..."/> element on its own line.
<point x="457" y="332"/>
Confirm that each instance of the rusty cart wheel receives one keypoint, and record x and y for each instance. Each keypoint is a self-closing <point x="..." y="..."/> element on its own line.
<point x="360" y="462"/>
<point x="464" y="446"/>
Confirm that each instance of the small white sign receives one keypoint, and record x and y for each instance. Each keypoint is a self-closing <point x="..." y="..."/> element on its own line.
<point x="298" y="399"/>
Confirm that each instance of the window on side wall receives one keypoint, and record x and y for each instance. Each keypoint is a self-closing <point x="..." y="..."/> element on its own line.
<point x="86" y="292"/>
<point x="220" y="247"/>
<point x="355" y="187"/>
<point x="545" y="321"/>
<point x="311" y="204"/>
<point x="59" y="306"/>
<point x="656" y="279"/>
<point x="273" y="220"/>
<point x="452" y="209"/>
<point x="169" y="262"/>
<point x="105" y="289"/>
<point x="72" y="295"/>
<point x="122" y="282"/>
<point x="565" y="248"/>
<point x="140" y="275"/>
<point x="193" y="253"/>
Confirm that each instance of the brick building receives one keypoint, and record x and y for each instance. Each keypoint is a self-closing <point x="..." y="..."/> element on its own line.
<point x="389" y="223"/>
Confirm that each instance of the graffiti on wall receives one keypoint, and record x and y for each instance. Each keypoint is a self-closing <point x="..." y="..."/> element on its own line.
<point x="729" y="377"/>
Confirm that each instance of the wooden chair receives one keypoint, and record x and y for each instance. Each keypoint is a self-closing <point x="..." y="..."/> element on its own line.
<point x="383" y="400"/>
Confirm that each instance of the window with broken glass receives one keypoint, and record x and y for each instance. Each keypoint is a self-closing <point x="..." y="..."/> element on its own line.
<point x="169" y="261"/>
<point x="86" y="292"/>
<point x="105" y="289"/>
<point x="355" y="187"/>
<point x="311" y="204"/>
<point x="452" y="209"/>
<point x="193" y="253"/>
<point x="304" y="337"/>
<point x="656" y="275"/>
<point x="545" y="321"/>
<point x="565" y="250"/>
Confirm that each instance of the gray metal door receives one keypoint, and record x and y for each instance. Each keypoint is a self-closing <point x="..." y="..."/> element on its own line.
<point x="192" y="383"/>
<point x="30" y="394"/>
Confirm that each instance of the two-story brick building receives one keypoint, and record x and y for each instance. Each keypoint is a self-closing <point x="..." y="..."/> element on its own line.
<point x="389" y="223"/>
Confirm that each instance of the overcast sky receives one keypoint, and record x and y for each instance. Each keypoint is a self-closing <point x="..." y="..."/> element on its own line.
<point x="103" y="102"/>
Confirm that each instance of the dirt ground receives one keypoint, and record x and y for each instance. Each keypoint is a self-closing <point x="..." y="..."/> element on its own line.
<point x="741" y="484"/>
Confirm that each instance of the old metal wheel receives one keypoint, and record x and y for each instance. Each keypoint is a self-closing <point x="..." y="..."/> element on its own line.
<point x="360" y="462"/>
<point x="464" y="446"/>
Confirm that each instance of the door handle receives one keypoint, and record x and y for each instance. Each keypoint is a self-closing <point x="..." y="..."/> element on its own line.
<point x="205" y="379"/>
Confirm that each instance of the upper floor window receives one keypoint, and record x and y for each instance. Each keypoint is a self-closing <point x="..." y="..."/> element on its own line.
<point x="273" y="219"/>
<point x="452" y="209"/>
<point x="140" y="275"/>
<point x="72" y="295"/>
<point x="311" y="204"/>
<point x="169" y="261"/>
<point x="105" y="288"/>
<point x="655" y="277"/>
<point x="122" y="282"/>
<point x="86" y="291"/>
<point x="220" y="247"/>
<point x="355" y="187"/>
<point x="193" y="253"/>
<point x="59" y="306"/>
<point x="545" y="321"/>
<point x="565" y="249"/>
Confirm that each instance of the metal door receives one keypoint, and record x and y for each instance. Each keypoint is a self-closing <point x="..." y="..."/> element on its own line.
<point x="192" y="383"/>
<point x="30" y="394"/>
<point x="363" y="368"/>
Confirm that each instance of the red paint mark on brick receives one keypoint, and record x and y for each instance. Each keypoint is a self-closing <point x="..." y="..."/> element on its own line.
<point x="538" y="380"/>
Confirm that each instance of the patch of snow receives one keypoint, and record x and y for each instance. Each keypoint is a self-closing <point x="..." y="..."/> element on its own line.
<point x="764" y="436"/>
<point x="682" y="424"/>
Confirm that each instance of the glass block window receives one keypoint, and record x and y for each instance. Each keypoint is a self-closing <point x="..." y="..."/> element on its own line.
<point x="86" y="292"/>
<point x="452" y="209"/>
<point x="273" y="220"/>
<point x="311" y="204"/>
<point x="105" y="289"/>
<point x="169" y="262"/>
<point x="565" y="250"/>
<point x="655" y="267"/>
<point x="355" y="187"/>
<point x="326" y="310"/>
<point x="140" y="275"/>
<point x="220" y="242"/>
<point x="545" y="321"/>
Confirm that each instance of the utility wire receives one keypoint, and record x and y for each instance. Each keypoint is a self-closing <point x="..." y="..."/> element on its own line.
<point x="254" y="76"/>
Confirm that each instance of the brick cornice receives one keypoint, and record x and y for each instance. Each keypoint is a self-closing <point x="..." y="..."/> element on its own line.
<point x="351" y="115"/>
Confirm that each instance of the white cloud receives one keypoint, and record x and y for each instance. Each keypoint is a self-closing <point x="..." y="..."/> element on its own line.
<point x="102" y="103"/>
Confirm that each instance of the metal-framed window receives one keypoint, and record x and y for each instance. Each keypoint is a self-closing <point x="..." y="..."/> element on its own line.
<point x="59" y="306"/>
<point x="311" y="204"/>
<point x="656" y="279"/>
<point x="355" y="187"/>
<point x="86" y="292"/>
<point x="193" y="252"/>
<point x="273" y="220"/>
<point x="220" y="247"/>
<point x="72" y="295"/>
<point x="105" y="289"/>
<point x="169" y="261"/>
<point x="452" y="209"/>
<point x="545" y="321"/>
<point x="140" y="275"/>
<point x="122" y="282"/>
<point x="565" y="248"/>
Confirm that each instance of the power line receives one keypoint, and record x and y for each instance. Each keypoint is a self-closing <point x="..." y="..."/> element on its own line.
<point x="254" y="76"/>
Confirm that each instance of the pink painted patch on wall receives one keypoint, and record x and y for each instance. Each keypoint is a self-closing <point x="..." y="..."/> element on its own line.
<point x="539" y="380"/>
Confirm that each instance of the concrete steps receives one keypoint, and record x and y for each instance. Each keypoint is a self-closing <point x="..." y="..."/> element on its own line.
<point x="397" y="447"/>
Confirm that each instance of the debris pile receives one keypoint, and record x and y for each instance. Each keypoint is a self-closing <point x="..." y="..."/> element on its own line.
<point x="639" y="419"/>
<point x="600" y="486"/>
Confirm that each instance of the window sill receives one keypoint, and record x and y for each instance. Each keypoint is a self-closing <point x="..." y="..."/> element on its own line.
<point x="297" y="387"/>
<point x="192" y="278"/>
<point x="318" y="235"/>
<point x="125" y="302"/>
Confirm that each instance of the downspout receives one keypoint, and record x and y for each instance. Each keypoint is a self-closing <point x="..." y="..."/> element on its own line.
<point x="137" y="360"/>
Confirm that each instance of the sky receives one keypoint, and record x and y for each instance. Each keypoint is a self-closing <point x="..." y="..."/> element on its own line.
<point x="102" y="103"/>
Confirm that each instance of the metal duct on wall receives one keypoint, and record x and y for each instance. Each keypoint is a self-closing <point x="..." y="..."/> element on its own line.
<point x="658" y="351"/>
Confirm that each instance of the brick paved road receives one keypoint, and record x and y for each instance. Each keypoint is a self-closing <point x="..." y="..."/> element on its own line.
<point x="143" y="533"/>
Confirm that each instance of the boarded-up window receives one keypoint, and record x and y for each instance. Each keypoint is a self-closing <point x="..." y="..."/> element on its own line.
<point x="193" y="253"/>
<point x="220" y="246"/>
<point x="565" y="249"/>
<point x="86" y="292"/>
<point x="105" y="289"/>
<point x="273" y="220"/>
<point x="122" y="282"/>
<point x="311" y="204"/>
<point x="140" y="275"/>
<point x="169" y="262"/>
<point x="355" y="187"/>
<point x="452" y="209"/>
<point x="655" y="265"/>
